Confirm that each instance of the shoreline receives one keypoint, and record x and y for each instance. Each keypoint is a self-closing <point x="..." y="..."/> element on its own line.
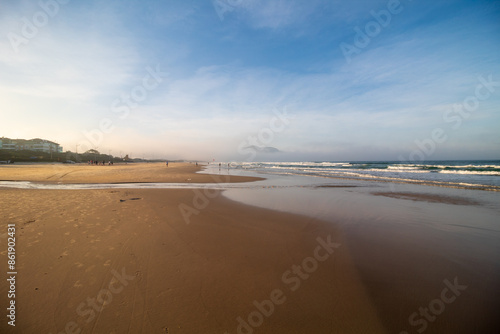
<point x="185" y="170"/>
<point x="115" y="174"/>
<point x="470" y="186"/>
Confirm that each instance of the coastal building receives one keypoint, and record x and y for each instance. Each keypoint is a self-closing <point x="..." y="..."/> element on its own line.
<point x="35" y="144"/>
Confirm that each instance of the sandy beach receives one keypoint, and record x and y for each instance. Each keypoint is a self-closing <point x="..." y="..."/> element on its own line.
<point x="196" y="276"/>
<point x="193" y="261"/>
<point x="118" y="173"/>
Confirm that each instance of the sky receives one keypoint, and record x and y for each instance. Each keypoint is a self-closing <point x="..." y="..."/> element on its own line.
<point x="254" y="80"/>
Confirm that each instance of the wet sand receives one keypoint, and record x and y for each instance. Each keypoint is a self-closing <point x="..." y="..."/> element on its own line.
<point x="428" y="198"/>
<point x="409" y="244"/>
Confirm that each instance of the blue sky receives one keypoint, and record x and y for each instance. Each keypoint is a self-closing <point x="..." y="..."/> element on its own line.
<point x="218" y="73"/>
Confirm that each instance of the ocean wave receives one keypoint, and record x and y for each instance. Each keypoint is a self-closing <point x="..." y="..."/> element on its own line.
<point x="470" y="172"/>
<point x="452" y="173"/>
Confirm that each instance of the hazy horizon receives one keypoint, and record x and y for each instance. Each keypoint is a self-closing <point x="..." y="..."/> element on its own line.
<point x="254" y="80"/>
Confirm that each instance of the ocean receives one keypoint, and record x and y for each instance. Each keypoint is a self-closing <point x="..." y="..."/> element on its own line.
<point x="472" y="174"/>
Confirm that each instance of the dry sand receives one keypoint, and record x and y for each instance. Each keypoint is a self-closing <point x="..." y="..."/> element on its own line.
<point x="118" y="173"/>
<point x="127" y="261"/>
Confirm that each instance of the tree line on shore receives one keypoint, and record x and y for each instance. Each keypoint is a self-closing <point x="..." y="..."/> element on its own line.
<point x="39" y="156"/>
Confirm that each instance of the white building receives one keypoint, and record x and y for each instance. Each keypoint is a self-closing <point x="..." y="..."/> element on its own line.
<point x="36" y="144"/>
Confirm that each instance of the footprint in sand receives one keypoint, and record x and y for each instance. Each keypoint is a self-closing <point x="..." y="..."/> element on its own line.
<point x="72" y="241"/>
<point x="77" y="284"/>
<point x="107" y="263"/>
<point x="78" y="264"/>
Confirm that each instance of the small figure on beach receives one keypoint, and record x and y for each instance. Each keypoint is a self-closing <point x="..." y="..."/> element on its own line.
<point x="166" y="163"/>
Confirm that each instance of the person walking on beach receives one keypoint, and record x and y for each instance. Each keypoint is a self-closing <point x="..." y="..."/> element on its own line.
<point x="166" y="163"/>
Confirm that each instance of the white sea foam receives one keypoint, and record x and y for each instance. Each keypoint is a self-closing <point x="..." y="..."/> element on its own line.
<point x="470" y="173"/>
